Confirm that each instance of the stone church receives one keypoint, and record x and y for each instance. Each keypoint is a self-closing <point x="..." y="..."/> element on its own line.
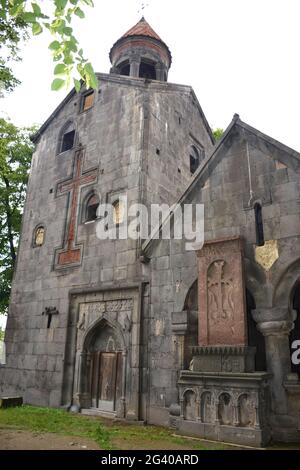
<point x="144" y="330"/>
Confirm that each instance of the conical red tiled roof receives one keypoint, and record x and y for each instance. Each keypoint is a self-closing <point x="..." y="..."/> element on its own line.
<point x="142" y="28"/>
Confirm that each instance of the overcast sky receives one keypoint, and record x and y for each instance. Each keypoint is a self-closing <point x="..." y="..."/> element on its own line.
<point x="240" y="56"/>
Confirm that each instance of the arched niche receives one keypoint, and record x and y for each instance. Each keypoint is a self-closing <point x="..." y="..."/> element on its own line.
<point x="225" y="409"/>
<point x="190" y="405"/>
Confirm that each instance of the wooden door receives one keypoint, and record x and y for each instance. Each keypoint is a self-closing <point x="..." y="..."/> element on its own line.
<point x="106" y="380"/>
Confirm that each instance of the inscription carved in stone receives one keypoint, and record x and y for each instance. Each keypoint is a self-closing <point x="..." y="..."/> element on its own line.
<point x="91" y="311"/>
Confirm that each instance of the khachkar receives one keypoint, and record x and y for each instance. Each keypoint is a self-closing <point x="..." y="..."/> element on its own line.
<point x="221" y="396"/>
<point x="222" y="309"/>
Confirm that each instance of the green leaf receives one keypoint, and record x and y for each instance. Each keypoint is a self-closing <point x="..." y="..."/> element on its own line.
<point x="77" y="85"/>
<point x="54" y="46"/>
<point x="60" y="4"/>
<point x="79" y="12"/>
<point x="90" y="76"/>
<point x="36" y="29"/>
<point x="29" y="17"/>
<point x="36" y="9"/>
<point x="60" y="69"/>
<point x="57" y="84"/>
<point x="67" y="31"/>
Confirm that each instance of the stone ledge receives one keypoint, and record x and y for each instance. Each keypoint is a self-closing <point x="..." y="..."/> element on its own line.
<point x="6" y="402"/>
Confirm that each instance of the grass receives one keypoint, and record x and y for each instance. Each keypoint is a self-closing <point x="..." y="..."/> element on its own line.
<point x="107" y="434"/>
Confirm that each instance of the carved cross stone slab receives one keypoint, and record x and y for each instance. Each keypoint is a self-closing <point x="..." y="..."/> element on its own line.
<point x="221" y="290"/>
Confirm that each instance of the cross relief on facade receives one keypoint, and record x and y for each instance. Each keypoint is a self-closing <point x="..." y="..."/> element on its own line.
<point x="71" y="253"/>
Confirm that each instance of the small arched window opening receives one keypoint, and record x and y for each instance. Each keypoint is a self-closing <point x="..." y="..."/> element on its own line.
<point x="259" y="227"/>
<point x="194" y="159"/>
<point x="67" y="138"/>
<point x="39" y="236"/>
<point x="147" y="71"/>
<point x="118" y="212"/>
<point x="92" y="205"/>
<point x="124" y="69"/>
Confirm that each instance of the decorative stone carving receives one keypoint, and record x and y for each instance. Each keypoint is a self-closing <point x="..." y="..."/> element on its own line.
<point x="267" y="254"/>
<point x="91" y="311"/>
<point x="222" y="317"/>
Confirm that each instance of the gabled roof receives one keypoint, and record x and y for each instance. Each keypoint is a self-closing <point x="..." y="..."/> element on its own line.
<point x="263" y="142"/>
<point x="142" y="28"/>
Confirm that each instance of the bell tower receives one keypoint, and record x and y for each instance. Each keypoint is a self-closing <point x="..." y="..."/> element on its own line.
<point x="141" y="53"/>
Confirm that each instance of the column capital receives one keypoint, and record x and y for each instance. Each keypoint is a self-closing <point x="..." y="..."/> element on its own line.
<point x="266" y="314"/>
<point x="275" y="328"/>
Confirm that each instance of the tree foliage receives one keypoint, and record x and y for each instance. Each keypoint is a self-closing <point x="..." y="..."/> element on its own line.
<point x="55" y="16"/>
<point x="15" y="158"/>
<point x="218" y="133"/>
<point x="12" y="32"/>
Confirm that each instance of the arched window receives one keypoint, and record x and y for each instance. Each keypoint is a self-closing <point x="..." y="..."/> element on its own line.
<point x="67" y="137"/>
<point x="91" y="208"/>
<point x="124" y="68"/>
<point x="118" y="212"/>
<point x="147" y="70"/>
<point x="259" y="227"/>
<point x="194" y="159"/>
<point x="39" y="236"/>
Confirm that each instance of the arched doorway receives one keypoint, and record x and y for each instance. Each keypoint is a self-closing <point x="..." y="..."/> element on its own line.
<point x="255" y="338"/>
<point x="295" y="333"/>
<point x="105" y="355"/>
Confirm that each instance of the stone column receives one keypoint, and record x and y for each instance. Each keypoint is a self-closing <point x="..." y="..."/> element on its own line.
<point x="276" y="335"/>
<point x="134" y="67"/>
<point x="159" y="68"/>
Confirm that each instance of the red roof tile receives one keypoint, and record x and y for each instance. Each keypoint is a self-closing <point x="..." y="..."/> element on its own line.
<point x="142" y="28"/>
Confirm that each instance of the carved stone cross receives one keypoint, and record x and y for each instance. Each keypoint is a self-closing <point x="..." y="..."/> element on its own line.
<point x="71" y="253"/>
<point x="221" y="290"/>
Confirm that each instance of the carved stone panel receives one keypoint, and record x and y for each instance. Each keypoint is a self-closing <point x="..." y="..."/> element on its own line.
<point x="221" y="290"/>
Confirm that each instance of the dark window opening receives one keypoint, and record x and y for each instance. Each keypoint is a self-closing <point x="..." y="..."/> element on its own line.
<point x="194" y="159"/>
<point x="157" y="152"/>
<point x="91" y="208"/>
<point x="68" y="141"/>
<point x="259" y="227"/>
<point x="147" y="71"/>
<point x="125" y="69"/>
<point x="295" y="333"/>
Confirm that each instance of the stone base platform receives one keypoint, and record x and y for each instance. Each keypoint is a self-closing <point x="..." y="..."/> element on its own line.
<point x="223" y="358"/>
<point x="224" y="406"/>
